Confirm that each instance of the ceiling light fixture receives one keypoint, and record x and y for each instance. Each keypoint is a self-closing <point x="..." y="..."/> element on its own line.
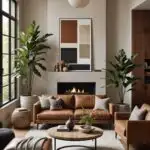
<point x="78" y="3"/>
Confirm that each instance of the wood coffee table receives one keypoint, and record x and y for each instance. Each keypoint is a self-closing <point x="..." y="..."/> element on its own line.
<point x="75" y="135"/>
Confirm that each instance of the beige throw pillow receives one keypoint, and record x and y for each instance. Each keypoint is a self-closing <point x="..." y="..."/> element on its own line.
<point x="101" y="103"/>
<point x="44" y="101"/>
<point x="138" y="114"/>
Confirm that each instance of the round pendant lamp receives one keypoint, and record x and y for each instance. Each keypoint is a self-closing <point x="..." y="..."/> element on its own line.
<point x="78" y="3"/>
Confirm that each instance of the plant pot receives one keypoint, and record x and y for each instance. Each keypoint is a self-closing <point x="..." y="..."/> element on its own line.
<point x="122" y="107"/>
<point x="28" y="101"/>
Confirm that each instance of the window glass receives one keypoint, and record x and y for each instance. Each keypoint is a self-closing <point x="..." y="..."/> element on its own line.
<point x="12" y="28"/>
<point x="13" y="45"/>
<point x="5" y="44"/>
<point x="5" y="80"/>
<point x="5" y="25"/>
<point x="13" y="8"/>
<point x="5" y="5"/>
<point x="5" y="64"/>
<point x="5" y="94"/>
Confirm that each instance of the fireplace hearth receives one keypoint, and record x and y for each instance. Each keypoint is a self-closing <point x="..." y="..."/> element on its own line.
<point x="76" y="88"/>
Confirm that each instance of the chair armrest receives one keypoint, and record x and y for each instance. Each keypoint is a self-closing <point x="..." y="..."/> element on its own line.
<point x="122" y="115"/>
<point x="112" y="109"/>
<point x="138" y="131"/>
<point x="36" y="110"/>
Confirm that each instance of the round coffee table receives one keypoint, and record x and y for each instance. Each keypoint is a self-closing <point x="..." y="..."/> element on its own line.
<point x="75" y="135"/>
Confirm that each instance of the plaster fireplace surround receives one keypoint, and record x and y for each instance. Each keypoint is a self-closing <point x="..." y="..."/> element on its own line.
<point x="95" y="80"/>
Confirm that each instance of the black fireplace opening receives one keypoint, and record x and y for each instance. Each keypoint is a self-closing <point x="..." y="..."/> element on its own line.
<point x="76" y="88"/>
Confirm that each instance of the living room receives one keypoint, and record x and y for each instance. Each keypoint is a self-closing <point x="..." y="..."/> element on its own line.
<point x="82" y="40"/>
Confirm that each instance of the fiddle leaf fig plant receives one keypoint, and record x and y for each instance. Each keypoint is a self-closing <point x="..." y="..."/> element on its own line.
<point x="120" y="75"/>
<point x="30" y="55"/>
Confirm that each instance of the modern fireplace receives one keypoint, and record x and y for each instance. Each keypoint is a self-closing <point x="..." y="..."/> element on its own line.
<point x="76" y="88"/>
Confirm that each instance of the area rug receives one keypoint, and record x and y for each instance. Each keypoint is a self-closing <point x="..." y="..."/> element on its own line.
<point x="106" y="142"/>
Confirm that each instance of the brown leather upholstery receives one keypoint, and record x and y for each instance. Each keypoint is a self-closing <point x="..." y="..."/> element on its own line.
<point x="122" y="115"/>
<point x="134" y="132"/>
<point x="84" y="101"/>
<point x="79" y="112"/>
<point x="69" y="101"/>
<point x="56" y="114"/>
<point x="97" y="114"/>
<point x="120" y="127"/>
<point x="60" y="116"/>
<point x="36" y="110"/>
<point x="102" y="115"/>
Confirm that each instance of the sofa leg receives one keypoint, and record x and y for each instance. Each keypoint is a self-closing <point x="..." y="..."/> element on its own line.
<point x="37" y="126"/>
<point x="115" y="135"/>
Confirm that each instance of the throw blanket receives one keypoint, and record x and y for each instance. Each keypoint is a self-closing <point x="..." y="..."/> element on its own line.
<point x="31" y="143"/>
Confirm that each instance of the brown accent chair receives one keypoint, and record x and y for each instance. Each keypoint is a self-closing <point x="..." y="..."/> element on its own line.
<point x="133" y="132"/>
<point x="73" y="108"/>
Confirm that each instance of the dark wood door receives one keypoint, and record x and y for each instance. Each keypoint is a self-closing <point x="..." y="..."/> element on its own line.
<point x="141" y="45"/>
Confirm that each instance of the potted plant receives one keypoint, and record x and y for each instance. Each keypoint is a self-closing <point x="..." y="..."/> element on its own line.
<point x="29" y="61"/>
<point x="87" y="118"/>
<point x="120" y="75"/>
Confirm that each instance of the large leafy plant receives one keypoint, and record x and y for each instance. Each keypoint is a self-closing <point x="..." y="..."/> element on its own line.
<point x="30" y="56"/>
<point x="120" y="76"/>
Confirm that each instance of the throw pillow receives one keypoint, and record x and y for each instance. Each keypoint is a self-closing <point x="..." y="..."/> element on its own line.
<point x="101" y="103"/>
<point x="138" y="114"/>
<point x="44" y="101"/>
<point x="56" y="104"/>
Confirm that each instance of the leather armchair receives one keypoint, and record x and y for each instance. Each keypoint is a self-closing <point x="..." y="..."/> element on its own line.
<point x="132" y="132"/>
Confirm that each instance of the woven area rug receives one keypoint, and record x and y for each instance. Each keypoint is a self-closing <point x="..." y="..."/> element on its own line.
<point x="106" y="142"/>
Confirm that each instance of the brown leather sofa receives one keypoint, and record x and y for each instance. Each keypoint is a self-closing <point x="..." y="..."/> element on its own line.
<point x="133" y="132"/>
<point x="73" y="108"/>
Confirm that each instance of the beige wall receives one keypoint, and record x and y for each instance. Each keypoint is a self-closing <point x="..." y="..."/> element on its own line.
<point x="135" y="3"/>
<point x="118" y="34"/>
<point x="6" y="111"/>
<point x="47" y="14"/>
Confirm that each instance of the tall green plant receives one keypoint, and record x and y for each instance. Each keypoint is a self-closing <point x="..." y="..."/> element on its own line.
<point x="120" y="76"/>
<point x="30" y="56"/>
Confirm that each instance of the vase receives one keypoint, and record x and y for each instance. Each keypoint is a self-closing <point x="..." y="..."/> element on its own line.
<point x="70" y="124"/>
<point x="87" y="126"/>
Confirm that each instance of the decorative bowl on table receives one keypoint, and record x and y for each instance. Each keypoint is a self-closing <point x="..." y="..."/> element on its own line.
<point x="85" y="129"/>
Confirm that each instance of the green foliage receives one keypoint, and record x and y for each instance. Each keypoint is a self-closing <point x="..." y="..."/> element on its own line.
<point x="120" y="76"/>
<point x="30" y="56"/>
<point x="87" y="118"/>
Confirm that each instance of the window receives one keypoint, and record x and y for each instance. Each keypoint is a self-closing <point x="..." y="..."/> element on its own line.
<point x="8" y="43"/>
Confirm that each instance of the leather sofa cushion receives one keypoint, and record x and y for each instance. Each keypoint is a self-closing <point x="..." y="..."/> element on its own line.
<point x="69" y="101"/>
<point x="120" y="127"/>
<point x="97" y="114"/>
<point x="63" y="114"/>
<point x="145" y="106"/>
<point x="84" y="101"/>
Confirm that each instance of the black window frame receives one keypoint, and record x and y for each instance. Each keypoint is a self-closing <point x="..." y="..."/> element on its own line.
<point x="10" y="53"/>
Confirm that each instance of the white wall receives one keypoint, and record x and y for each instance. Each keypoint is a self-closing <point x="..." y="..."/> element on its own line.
<point x="47" y="14"/>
